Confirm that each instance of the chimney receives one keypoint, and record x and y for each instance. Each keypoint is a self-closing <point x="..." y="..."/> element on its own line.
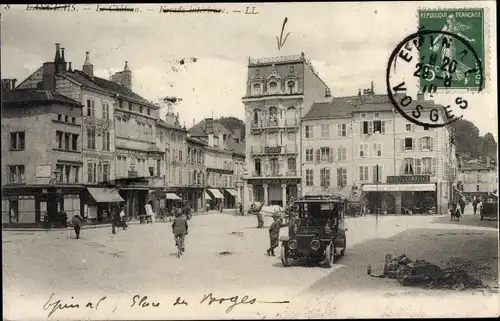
<point x="126" y="66"/>
<point x="63" y="61"/>
<point x="211" y="139"/>
<point x="221" y="139"/>
<point x="328" y="92"/>
<point x="209" y="125"/>
<point x="48" y="76"/>
<point x="88" y="68"/>
<point x="6" y="85"/>
<point x="69" y="67"/>
<point x="372" y="89"/>
<point x="57" y="58"/>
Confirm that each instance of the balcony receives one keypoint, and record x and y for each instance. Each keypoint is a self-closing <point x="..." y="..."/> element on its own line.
<point x="277" y="173"/>
<point x="274" y="150"/>
<point x="274" y="124"/>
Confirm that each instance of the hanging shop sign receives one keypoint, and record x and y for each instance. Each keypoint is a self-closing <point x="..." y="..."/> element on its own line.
<point x="409" y="179"/>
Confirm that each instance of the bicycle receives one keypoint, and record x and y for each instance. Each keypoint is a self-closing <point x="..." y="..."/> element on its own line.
<point x="180" y="245"/>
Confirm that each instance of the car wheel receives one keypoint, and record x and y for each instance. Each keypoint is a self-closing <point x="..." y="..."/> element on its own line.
<point x="342" y="252"/>
<point x="285" y="260"/>
<point x="330" y="254"/>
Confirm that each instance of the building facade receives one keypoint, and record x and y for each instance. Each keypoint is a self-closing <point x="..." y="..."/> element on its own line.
<point x="196" y="173"/>
<point x="477" y="179"/>
<point x="399" y="167"/>
<point x="280" y="91"/>
<point x="41" y="155"/>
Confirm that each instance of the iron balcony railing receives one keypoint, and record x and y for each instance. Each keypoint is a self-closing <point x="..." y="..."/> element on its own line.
<point x="279" y="123"/>
<point x="287" y="149"/>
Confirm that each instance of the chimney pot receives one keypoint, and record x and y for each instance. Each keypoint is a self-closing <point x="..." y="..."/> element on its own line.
<point x="69" y="67"/>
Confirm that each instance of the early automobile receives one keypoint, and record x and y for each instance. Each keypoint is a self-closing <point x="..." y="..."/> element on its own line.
<point x="316" y="230"/>
<point x="490" y="207"/>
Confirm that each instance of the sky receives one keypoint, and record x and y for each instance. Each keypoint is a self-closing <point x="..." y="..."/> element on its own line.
<point x="349" y="45"/>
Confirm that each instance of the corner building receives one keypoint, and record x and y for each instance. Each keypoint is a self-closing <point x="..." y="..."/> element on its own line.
<point x="280" y="90"/>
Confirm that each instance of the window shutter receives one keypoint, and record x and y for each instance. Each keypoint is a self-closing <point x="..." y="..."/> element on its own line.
<point x="382" y="129"/>
<point x="367" y="150"/>
<point x="374" y="173"/>
<point x="431" y="143"/>
<point x="339" y="176"/>
<point x="381" y="173"/>
<point x="412" y="127"/>
<point x="332" y="156"/>
<point x="433" y="166"/>
<point x="402" y="144"/>
<point x="413" y="144"/>
<point x="318" y="155"/>
<point x="370" y="127"/>
<point x="375" y="149"/>
<point x="361" y="125"/>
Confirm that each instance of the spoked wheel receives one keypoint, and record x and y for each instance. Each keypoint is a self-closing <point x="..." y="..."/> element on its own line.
<point x="402" y="274"/>
<point x="330" y="254"/>
<point x="285" y="260"/>
<point x="342" y="252"/>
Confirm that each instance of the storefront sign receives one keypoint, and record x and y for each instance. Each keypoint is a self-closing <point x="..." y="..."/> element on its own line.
<point x="409" y="179"/>
<point x="270" y="181"/>
<point x="272" y="150"/>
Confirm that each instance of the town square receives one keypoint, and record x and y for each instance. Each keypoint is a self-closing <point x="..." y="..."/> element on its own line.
<point x="249" y="161"/>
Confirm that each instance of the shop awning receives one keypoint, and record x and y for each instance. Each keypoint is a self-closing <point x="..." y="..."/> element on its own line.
<point x="207" y="197"/>
<point x="105" y="195"/>
<point x="216" y="193"/>
<point x="231" y="191"/>
<point x="172" y="196"/>
<point x="399" y="187"/>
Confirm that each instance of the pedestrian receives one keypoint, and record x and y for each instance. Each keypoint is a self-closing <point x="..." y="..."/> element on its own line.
<point x="474" y="205"/>
<point x="479" y="206"/>
<point x="115" y="218"/>
<point x="241" y="209"/>
<point x="123" y="218"/>
<point x="77" y="222"/>
<point x="462" y="204"/>
<point x="274" y="235"/>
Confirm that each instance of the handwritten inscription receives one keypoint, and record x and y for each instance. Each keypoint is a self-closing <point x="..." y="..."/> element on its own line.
<point x="56" y="305"/>
<point x="281" y="41"/>
<point x="141" y="301"/>
<point x="234" y="300"/>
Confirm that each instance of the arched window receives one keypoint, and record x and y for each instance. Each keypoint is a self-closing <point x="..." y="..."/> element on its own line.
<point x="257" y="89"/>
<point x="273" y="87"/>
<point x="291" y="87"/>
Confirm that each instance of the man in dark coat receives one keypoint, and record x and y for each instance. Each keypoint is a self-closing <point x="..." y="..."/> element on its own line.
<point x="274" y="235"/>
<point x="462" y="204"/>
<point x="77" y="222"/>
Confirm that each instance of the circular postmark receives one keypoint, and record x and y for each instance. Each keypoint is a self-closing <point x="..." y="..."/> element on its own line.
<point x="432" y="70"/>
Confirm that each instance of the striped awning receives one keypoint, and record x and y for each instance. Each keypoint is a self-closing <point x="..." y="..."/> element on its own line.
<point x="105" y="195"/>
<point x="207" y="197"/>
<point x="231" y="191"/>
<point x="399" y="187"/>
<point x="172" y="196"/>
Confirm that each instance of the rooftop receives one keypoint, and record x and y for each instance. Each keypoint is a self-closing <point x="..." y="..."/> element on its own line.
<point x="27" y="96"/>
<point x="474" y="167"/>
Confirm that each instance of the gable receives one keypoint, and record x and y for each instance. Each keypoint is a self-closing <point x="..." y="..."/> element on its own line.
<point x="33" y="80"/>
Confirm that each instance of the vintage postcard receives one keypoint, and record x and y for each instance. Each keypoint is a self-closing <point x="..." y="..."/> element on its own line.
<point x="249" y="160"/>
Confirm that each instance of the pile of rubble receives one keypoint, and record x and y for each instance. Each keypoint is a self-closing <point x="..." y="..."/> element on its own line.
<point x="426" y="274"/>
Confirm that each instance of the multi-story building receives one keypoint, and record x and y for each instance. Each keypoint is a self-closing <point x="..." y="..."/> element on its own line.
<point x="327" y="152"/>
<point x="196" y="173"/>
<point x="118" y="131"/>
<point x="477" y="179"/>
<point x="224" y="163"/>
<point x="397" y="165"/>
<point x="280" y="91"/>
<point x="41" y="155"/>
<point x="176" y="159"/>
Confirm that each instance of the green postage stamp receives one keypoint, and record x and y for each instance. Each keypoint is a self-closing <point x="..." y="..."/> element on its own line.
<point x="453" y="53"/>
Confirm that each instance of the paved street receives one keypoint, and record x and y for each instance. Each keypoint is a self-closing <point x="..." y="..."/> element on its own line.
<point x="225" y="256"/>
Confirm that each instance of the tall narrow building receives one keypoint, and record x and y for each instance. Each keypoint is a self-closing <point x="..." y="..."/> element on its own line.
<point x="280" y="90"/>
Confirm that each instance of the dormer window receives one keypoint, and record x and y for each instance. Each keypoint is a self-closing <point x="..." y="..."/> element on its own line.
<point x="149" y="112"/>
<point x="141" y="109"/>
<point x="257" y="90"/>
<point x="273" y="87"/>
<point x="257" y="72"/>
<point x="291" y="69"/>
<point x="291" y="87"/>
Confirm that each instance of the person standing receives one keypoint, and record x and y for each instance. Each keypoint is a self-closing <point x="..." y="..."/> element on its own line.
<point x="474" y="205"/>
<point x="479" y="206"/>
<point x="123" y="218"/>
<point x="241" y="209"/>
<point x="462" y="204"/>
<point x="77" y="222"/>
<point x="274" y="235"/>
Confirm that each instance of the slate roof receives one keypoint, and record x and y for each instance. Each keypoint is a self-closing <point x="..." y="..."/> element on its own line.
<point x="198" y="130"/>
<point x="106" y="85"/>
<point x="164" y="124"/>
<point x="344" y="107"/>
<point x="234" y="146"/>
<point x="27" y="96"/>
<point x="197" y="141"/>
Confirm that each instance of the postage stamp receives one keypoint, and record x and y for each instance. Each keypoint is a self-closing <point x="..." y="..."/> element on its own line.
<point x="447" y="56"/>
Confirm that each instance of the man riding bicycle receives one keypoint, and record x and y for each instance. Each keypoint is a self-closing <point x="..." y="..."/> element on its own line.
<point x="180" y="228"/>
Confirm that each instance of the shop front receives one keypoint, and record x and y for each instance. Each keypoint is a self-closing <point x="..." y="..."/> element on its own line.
<point x="26" y="206"/>
<point x="273" y="191"/>
<point x="216" y="198"/>
<point x="195" y="198"/>
<point x="101" y="203"/>
<point x="407" y="194"/>
<point x="230" y="196"/>
<point x="135" y="192"/>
